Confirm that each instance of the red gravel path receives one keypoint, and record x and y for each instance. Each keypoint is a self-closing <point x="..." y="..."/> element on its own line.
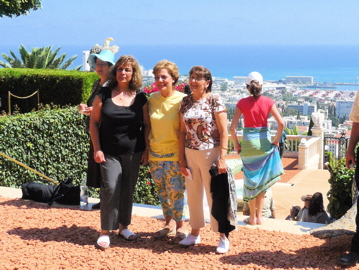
<point x="35" y="236"/>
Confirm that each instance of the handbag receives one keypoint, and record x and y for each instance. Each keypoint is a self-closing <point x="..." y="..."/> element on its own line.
<point x="64" y="193"/>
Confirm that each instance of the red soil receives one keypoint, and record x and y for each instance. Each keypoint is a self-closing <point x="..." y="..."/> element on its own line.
<point x="36" y="236"/>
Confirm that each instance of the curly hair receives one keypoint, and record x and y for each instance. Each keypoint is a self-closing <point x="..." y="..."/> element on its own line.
<point x="202" y="72"/>
<point x="170" y="67"/>
<point x="316" y="204"/>
<point x="255" y="89"/>
<point x="136" y="80"/>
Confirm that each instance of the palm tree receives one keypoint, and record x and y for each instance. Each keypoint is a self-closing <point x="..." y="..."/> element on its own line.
<point x="38" y="58"/>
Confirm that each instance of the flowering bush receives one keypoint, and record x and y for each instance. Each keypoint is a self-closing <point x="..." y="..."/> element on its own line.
<point x="180" y="86"/>
<point x="153" y="88"/>
<point x="150" y="89"/>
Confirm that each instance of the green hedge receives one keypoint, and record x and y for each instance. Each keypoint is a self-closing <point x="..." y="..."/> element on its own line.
<point x="341" y="193"/>
<point x="59" y="87"/>
<point x="55" y="143"/>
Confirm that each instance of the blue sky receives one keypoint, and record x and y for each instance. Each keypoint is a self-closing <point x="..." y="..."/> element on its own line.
<point x="151" y="22"/>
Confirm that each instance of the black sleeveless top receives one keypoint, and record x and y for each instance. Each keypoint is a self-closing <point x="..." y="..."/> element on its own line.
<point x="121" y="128"/>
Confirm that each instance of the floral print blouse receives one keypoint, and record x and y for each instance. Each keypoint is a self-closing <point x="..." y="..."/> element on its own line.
<point x="201" y="126"/>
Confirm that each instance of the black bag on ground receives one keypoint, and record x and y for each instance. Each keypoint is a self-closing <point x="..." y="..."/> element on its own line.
<point x="37" y="192"/>
<point x="64" y="193"/>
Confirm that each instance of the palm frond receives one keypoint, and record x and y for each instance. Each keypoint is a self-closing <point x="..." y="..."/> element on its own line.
<point x="68" y="62"/>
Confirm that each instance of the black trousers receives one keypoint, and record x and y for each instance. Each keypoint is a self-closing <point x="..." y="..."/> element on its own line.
<point x="355" y="240"/>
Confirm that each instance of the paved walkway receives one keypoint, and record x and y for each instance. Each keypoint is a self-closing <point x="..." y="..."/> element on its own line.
<point x="284" y="194"/>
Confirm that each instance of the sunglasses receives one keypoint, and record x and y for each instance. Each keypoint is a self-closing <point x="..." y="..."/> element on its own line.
<point x="307" y="200"/>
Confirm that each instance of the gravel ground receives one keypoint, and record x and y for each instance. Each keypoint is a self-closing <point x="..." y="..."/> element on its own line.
<point x="35" y="236"/>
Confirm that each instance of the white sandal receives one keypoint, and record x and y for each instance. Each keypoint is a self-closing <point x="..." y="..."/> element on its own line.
<point x="126" y="233"/>
<point x="103" y="239"/>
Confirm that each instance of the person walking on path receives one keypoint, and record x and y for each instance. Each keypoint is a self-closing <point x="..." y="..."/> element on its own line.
<point x="164" y="149"/>
<point x="119" y="129"/>
<point x="262" y="165"/>
<point x="352" y="258"/>
<point x="203" y="142"/>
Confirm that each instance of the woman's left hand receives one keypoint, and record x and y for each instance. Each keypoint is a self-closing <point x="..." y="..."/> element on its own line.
<point x="221" y="165"/>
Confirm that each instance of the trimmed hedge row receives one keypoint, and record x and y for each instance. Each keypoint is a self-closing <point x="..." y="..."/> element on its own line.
<point x="59" y="87"/>
<point x="55" y="143"/>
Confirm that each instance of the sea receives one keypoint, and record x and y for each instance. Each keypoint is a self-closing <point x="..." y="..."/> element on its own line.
<point x="325" y="63"/>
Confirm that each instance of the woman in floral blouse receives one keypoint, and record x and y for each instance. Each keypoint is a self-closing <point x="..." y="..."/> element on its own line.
<point x="203" y="142"/>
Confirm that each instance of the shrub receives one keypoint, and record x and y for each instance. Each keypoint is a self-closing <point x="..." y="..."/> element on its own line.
<point x="145" y="191"/>
<point x="340" y="194"/>
<point x="54" y="142"/>
<point x="60" y="87"/>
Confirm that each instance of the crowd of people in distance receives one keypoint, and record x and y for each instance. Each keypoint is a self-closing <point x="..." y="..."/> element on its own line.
<point x="183" y="137"/>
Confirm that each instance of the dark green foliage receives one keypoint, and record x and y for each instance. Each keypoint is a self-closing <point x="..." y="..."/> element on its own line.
<point x="145" y="191"/>
<point x="18" y="7"/>
<point x="59" y="87"/>
<point x="55" y="143"/>
<point x="340" y="193"/>
<point x="311" y="124"/>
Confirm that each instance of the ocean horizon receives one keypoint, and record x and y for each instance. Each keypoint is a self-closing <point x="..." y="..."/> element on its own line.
<point x="326" y="64"/>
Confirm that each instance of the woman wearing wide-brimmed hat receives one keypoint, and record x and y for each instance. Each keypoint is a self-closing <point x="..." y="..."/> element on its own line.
<point x="102" y="62"/>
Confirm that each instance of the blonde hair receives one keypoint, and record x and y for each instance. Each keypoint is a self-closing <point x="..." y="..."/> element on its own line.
<point x="170" y="67"/>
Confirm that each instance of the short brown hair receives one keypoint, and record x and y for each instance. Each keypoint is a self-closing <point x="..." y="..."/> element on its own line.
<point x="136" y="80"/>
<point x="170" y="67"/>
<point x="202" y="72"/>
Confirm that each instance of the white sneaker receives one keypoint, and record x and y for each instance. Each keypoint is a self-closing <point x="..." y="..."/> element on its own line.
<point x="223" y="245"/>
<point x="190" y="240"/>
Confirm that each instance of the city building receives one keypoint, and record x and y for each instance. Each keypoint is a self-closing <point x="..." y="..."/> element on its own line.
<point x="304" y="109"/>
<point x="343" y="108"/>
<point x="299" y="79"/>
<point x="239" y="80"/>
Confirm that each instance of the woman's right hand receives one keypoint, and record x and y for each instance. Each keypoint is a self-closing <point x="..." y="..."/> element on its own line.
<point x="238" y="148"/>
<point x="99" y="156"/>
<point x="83" y="108"/>
<point x="183" y="168"/>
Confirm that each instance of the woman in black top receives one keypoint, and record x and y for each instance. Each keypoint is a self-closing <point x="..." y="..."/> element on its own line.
<point x="118" y="127"/>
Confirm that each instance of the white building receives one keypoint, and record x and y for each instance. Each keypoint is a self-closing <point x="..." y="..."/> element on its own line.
<point x="343" y="108"/>
<point x="304" y="109"/>
<point x="239" y="80"/>
<point x="299" y="79"/>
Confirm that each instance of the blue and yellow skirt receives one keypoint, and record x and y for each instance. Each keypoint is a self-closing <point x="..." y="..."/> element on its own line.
<point x="262" y="165"/>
